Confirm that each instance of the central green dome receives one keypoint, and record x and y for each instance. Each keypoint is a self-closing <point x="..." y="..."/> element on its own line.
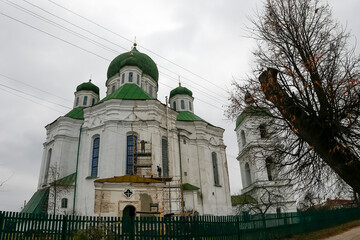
<point x="134" y="58"/>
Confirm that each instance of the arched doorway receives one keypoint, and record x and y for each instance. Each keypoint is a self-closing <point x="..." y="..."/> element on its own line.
<point x="129" y="211"/>
<point x="128" y="221"/>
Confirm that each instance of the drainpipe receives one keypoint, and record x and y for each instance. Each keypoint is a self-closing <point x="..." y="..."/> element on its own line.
<point x="181" y="183"/>
<point x="77" y="165"/>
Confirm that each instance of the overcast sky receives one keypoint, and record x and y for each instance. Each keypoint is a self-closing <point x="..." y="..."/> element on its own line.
<point x="205" y="39"/>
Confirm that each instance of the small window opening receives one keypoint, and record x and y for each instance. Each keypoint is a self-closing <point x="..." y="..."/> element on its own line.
<point x="182" y="103"/>
<point x="150" y="90"/>
<point x="123" y="78"/>
<point x="113" y="89"/>
<point x="263" y="133"/>
<point x="77" y="101"/>
<point x="243" y="139"/>
<point x="174" y="105"/>
<point x="130" y="76"/>
<point x="190" y="107"/>
<point x="85" y="100"/>
<point x="64" y="203"/>
<point x="138" y="79"/>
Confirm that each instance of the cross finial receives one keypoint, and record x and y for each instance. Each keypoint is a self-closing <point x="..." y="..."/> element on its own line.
<point x="179" y="81"/>
<point x="90" y="78"/>
<point x="135" y="44"/>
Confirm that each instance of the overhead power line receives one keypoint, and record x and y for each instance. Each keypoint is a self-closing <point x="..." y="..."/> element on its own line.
<point x="51" y="22"/>
<point x="127" y="39"/>
<point x="49" y="34"/>
<point x="17" y="90"/>
<point x="91" y="40"/>
<point x="38" y="89"/>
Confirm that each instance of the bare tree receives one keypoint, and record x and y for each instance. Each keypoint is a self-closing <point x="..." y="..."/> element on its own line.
<point x="58" y="188"/>
<point x="267" y="199"/>
<point x="310" y="89"/>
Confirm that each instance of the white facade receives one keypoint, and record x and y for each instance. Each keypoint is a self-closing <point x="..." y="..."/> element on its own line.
<point x="261" y="179"/>
<point x="94" y="151"/>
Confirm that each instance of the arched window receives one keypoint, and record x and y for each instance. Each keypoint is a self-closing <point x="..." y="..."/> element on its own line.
<point x="130" y="156"/>
<point x="165" y="156"/>
<point x="47" y="166"/>
<point x="77" y="101"/>
<point x="150" y="90"/>
<point x="93" y="102"/>
<point x="182" y="104"/>
<point x="247" y="174"/>
<point x="190" y="106"/>
<point x="123" y="78"/>
<point x="64" y="203"/>
<point x="215" y="168"/>
<point x="95" y="157"/>
<point x="174" y="105"/>
<point x="130" y="76"/>
<point x="113" y="89"/>
<point x="243" y="139"/>
<point x="138" y="79"/>
<point x="85" y="100"/>
<point x="270" y="168"/>
<point x="262" y="129"/>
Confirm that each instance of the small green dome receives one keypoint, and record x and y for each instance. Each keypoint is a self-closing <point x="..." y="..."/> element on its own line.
<point x="134" y="58"/>
<point x="88" y="86"/>
<point x="180" y="90"/>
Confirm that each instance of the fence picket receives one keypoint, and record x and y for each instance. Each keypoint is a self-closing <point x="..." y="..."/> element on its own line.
<point x="27" y="226"/>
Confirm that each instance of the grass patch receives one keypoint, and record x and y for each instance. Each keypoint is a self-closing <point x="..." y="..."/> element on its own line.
<point x="327" y="232"/>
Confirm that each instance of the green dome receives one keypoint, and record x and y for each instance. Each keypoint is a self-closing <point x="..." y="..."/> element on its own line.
<point x="134" y="58"/>
<point x="180" y="90"/>
<point x="88" y="86"/>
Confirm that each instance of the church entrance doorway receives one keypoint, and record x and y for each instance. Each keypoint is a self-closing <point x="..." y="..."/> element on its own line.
<point x="129" y="211"/>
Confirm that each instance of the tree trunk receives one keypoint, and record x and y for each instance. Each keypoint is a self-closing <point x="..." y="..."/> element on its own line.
<point x="317" y="132"/>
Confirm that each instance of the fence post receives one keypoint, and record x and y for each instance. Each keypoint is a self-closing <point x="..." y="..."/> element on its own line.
<point x="1" y="223"/>
<point x="64" y="228"/>
<point x="238" y="227"/>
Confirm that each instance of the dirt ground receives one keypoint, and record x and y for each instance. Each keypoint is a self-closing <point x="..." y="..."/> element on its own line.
<point x="352" y="234"/>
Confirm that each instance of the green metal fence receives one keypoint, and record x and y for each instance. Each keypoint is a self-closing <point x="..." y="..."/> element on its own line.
<point x="14" y="225"/>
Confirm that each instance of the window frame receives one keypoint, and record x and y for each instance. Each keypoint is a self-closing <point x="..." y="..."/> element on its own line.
<point x="215" y="169"/>
<point x="85" y="100"/>
<point x="182" y="104"/>
<point x="130" y="76"/>
<point x="131" y="148"/>
<point x="64" y="203"/>
<point x="95" y="156"/>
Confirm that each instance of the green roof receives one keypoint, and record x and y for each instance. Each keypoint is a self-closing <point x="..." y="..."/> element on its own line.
<point x="65" y="181"/>
<point x="76" y="113"/>
<point x="128" y="91"/>
<point x="188" y="116"/>
<point x="242" y="199"/>
<point x="88" y="86"/>
<point x="38" y="202"/>
<point x="252" y="111"/>
<point x="134" y="58"/>
<point x="188" y="186"/>
<point x="181" y="91"/>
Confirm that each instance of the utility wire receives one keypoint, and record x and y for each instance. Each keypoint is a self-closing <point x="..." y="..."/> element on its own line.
<point x="10" y="78"/>
<point x="127" y="39"/>
<point x="83" y="48"/>
<point x="91" y="40"/>
<point x="58" y="25"/>
<point x="42" y="99"/>
<point x="30" y="100"/>
<point x="49" y="34"/>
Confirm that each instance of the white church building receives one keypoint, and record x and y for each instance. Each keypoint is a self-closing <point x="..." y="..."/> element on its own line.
<point x="128" y="154"/>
